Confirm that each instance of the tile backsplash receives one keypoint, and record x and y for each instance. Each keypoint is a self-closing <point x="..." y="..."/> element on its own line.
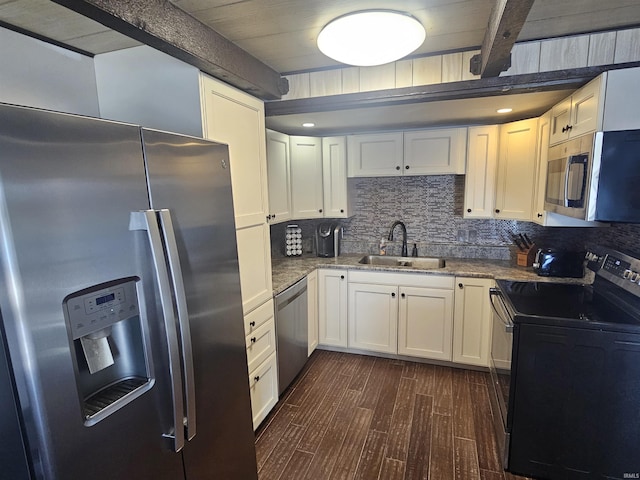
<point x="431" y="207"/>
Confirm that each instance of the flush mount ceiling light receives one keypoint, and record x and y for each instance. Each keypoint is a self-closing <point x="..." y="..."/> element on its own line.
<point x="371" y="37"/>
<point x="308" y="124"/>
<point x="504" y="110"/>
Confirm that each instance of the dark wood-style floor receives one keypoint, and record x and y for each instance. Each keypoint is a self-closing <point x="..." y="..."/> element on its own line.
<point x="359" y="417"/>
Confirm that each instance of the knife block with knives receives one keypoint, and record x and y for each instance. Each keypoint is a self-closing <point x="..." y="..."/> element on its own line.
<point x="526" y="250"/>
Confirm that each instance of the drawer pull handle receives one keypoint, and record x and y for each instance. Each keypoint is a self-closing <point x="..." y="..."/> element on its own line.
<point x="253" y="339"/>
<point x="257" y="378"/>
<point x="252" y="324"/>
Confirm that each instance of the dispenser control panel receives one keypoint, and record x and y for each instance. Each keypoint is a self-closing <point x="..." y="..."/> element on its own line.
<point x="94" y="309"/>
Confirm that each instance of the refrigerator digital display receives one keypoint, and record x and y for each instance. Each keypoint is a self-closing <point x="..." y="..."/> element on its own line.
<point x="105" y="299"/>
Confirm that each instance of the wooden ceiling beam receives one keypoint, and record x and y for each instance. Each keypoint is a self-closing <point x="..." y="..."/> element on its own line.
<point x="165" y="27"/>
<point x="506" y="20"/>
<point x="570" y="79"/>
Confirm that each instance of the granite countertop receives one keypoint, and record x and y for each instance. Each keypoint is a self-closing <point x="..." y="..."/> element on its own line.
<point x="287" y="271"/>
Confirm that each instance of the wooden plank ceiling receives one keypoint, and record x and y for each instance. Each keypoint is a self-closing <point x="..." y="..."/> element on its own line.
<point x="282" y="33"/>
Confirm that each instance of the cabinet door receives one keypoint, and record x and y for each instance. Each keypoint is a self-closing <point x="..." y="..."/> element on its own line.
<point x="436" y="151"/>
<point x="334" y="176"/>
<point x="586" y="107"/>
<point x="538" y="214"/>
<point x="373" y="317"/>
<point x="332" y="307"/>
<point x="472" y="321"/>
<point x="254" y="259"/>
<point x="560" y="120"/>
<point x="375" y="155"/>
<point x="480" y="180"/>
<point x="237" y="119"/>
<point x="425" y="322"/>
<point x="516" y="169"/>
<point x="306" y="177"/>
<point x="263" y="387"/>
<point x="278" y="170"/>
<point x="312" y="314"/>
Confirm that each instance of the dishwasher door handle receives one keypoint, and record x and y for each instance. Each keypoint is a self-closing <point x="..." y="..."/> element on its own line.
<point x="281" y="303"/>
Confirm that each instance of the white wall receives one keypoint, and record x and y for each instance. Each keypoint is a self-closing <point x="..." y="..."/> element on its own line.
<point x="147" y="87"/>
<point x="38" y="74"/>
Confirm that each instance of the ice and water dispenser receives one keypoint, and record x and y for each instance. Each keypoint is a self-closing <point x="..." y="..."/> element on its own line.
<point x="111" y="347"/>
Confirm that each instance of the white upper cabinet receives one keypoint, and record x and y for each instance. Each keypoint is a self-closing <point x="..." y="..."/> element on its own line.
<point x="420" y="152"/>
<point x="278" y="171"/>
<point x="375" y="155"/>
<point x="337" y="199"/>
<point x="516" y="170"/>
<point x="237" y="119"/>
<point x="435" y="151"/>
<point x="480" y="180"/>
<point x="578" y="114"/>
<point x="306" y="177"/>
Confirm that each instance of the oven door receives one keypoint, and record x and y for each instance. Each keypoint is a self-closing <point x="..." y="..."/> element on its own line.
<point x="500" y="368"/>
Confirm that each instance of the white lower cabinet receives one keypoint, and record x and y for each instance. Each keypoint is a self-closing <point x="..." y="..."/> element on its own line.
<point x="472" y="321"/>
<point x="263" y="386"/>
<point x="408" y="314"/>
<point x="332" y="307"/>
<point x="373" y="317"/>
<point x="262" y="363"/>
<point x="312" y="314"/>
<point x="425" y="322"/>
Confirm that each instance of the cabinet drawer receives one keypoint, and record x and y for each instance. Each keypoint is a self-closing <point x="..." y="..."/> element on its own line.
<point x="263" y="386"/>
<point x="258" y="317"/>
<point x="260" y="344"/>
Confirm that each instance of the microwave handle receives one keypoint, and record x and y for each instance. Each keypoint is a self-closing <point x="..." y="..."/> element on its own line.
<point x="572" y="160"/>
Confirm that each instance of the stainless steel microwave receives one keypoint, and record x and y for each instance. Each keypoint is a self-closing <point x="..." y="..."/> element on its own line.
<point x="596" y="177"/>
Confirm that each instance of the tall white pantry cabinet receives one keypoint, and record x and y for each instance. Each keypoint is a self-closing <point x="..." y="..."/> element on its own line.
<point x="141" y="85"/>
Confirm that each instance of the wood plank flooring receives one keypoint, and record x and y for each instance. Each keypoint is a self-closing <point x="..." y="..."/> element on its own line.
<point x="359" y="417"/>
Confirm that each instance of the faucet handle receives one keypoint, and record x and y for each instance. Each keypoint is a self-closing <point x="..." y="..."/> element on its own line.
<point x="414" y="250"/>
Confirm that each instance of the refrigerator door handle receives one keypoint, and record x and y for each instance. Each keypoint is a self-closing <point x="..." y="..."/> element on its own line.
<point x="146" y="220"/>
<point x="183" y="320"/>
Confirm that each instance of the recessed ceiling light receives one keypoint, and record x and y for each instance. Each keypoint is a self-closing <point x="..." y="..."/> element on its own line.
<point x="308" y="124"/>
<point x="371" y="37"/>
<point x="504" y="110"/>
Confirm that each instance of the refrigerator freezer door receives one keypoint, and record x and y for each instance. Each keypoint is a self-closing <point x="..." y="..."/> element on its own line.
<point x="67" y="187"/>
<point x="190" y="177"/>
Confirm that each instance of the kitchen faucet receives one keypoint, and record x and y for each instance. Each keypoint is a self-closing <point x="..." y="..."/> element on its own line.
<point x="404" y="236"/>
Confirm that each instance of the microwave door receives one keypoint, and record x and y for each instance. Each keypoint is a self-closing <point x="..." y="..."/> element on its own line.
<point x="556" y="171"/>
<point x="575" y="185"/>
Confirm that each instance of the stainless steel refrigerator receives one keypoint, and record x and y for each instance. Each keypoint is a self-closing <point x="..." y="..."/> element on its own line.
<point x="120" y="303"/>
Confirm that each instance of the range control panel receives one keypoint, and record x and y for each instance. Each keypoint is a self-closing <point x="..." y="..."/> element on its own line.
<point x="91" y="310"/>
<point x="616" y="267"/>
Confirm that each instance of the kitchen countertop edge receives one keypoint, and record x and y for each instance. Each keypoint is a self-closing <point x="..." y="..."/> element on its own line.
<point x="288" y="271"/>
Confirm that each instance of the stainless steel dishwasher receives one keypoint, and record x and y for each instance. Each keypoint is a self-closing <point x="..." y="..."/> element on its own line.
<point x="291" y="330"/>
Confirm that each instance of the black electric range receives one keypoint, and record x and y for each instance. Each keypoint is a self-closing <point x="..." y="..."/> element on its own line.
<point x="565" y="368"/>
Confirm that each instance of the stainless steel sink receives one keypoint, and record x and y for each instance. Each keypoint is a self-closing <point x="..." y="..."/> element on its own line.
<point x="409" y="262"/>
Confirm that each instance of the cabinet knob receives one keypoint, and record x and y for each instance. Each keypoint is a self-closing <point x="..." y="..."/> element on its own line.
<point x="539" y="215"/>
<point x="341" y="210"/>
<point x="460" y="285"/>
<point x="341" y="277"/>
<point x="497" y="210"/>
<point x="273" y="216"/>
<point x="402" y="295"/>
<point x="406" y="167"/>
<point x="320" y="210"/>
<point x="253" y="339"/>
<point x="393" y="294"/>
<point x="252" y="324"/>
<point x="257" y="378"/>
<point x="468" y="210"/>
<point x="398" y="167"/>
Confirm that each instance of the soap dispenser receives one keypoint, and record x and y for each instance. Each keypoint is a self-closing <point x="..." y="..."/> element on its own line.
<point x="383" y="246"/>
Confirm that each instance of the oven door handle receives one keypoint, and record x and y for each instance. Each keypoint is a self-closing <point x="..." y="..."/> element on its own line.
<point x="508" y="324"/>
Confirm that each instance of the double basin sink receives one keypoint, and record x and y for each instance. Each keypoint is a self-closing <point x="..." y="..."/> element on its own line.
<point x="409" y="262"/>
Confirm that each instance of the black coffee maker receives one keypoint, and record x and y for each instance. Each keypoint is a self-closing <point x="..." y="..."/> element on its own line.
<point x="328" y="237"/>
